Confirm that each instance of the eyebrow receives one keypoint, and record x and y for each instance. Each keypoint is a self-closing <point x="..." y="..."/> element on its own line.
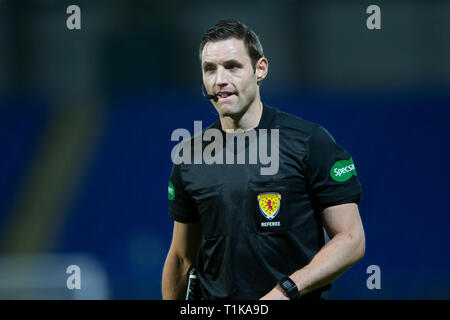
<point x="227" y="62"/>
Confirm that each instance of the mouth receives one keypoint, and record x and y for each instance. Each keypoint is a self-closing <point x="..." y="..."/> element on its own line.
<point x="224" y="95"/>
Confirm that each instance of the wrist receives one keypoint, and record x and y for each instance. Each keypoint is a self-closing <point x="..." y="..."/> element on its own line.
<point x="282" y="292"/>
<point x="289" y="289"/>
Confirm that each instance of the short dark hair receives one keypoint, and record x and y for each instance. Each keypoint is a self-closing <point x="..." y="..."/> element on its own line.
<point x="226" y="29"/>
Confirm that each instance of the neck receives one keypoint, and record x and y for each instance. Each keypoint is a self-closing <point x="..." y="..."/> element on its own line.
<point x="248" y="120"/>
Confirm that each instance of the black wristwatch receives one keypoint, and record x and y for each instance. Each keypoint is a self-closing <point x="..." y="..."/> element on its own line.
<point x="290" y="288"/>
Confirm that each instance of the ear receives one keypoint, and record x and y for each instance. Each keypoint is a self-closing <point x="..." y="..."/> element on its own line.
<point x="261" y="69"/>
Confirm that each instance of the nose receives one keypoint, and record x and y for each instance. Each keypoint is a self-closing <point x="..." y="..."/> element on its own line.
<point x="221" y="77"/>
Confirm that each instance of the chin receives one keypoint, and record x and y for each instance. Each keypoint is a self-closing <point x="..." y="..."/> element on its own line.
<point x="228" y="110"/>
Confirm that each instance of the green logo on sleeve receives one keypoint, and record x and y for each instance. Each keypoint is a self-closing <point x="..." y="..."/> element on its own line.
<point x="171" y="191"/>
<point x="343" y="170"/>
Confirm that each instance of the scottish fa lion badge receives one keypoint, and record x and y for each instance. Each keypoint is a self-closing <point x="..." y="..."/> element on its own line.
<point x="269" y="204"/>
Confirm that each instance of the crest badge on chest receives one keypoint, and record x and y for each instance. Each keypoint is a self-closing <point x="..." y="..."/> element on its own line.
<point x="269" y="204"/>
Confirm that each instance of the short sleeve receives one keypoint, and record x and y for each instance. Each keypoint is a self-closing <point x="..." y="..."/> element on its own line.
<point x="181" y="206"/>
<point x="332" y="176"/>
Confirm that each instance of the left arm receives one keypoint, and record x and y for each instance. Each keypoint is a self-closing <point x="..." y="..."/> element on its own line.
<point x="345" y="248"/>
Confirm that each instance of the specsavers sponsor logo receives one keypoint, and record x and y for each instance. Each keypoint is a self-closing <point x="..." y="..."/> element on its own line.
<point x="343" y="170"/>
<point x="171" y="191"/>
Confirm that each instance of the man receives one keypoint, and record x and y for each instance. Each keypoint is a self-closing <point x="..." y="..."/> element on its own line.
<point x="254" y="236"/>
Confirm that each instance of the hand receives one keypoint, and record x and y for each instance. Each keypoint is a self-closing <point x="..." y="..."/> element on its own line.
<point x="275" y="294"/>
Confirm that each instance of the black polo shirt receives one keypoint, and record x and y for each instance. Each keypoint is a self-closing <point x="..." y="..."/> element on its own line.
<point x="259" y="228"/>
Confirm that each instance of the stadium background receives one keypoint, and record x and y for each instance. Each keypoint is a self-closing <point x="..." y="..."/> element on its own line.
<point x="86" y="118"/>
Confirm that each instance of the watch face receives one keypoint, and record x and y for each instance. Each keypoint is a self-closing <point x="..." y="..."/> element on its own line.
<point x="288" y="284"/>
<point x="290" y="288"/>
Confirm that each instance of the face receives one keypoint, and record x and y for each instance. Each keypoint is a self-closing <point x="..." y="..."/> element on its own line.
<point x="228" y="73"/>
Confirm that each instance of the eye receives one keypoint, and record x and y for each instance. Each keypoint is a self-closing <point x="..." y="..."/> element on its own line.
<point x="209" y="68"/>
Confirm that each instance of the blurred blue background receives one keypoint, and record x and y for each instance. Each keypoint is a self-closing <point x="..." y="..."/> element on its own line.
<point x="86" y="118"/>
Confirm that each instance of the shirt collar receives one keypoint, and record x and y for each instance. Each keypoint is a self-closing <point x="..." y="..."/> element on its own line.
<point x="267" y="121"/>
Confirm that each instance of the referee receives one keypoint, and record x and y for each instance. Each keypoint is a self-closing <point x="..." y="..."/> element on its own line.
<point x="255" y="236"/>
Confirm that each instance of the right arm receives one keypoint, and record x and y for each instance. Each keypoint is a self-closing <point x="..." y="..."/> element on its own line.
<point x="181" y="257"/>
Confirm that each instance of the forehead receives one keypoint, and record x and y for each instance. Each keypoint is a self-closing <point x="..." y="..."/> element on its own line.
<point x="224" y="50"/>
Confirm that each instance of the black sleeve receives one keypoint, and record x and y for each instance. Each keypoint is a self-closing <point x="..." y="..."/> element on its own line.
<point x="332" y="174"/>
<point x="182" y="208"/>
